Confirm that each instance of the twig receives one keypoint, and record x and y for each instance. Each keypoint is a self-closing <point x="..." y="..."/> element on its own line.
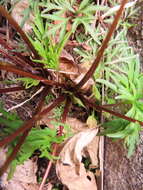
<point x="22" y="103"/>
<point x="116" y="8"/>
<point x="12" y="89"/>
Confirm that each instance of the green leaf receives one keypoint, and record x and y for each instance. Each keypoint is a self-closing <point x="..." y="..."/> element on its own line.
<point x="29" y="82"/>
<point x="53" y="17"/>
<point x="132" y="140"/>
<point x="96" y="92"/>
<point x="121" y="134"/>
<point x="83" y="4"/>
<point x="108" y="84"/>
<point x="78" y="101"/>
<point x="114" y="126"/>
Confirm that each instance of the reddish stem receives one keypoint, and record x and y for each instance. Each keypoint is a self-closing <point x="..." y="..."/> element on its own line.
<point x="101" y="108"/>
<point x="15" y="25"/>
<point x="12" y="156"/>
<point x="28" y="124"/>
<point x="12" y="89"/>
<point x="16" y="60"/>
<point x="23" y="137"/>
<point x="66" y="110"/>
<point x="13" y="69"/>
<point x="4" y="44"/>
<point x="55" y="146"/>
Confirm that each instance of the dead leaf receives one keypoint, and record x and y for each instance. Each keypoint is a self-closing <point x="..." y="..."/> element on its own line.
<point x="69" y="168"/>
<point x="24" y="177"/>
<point x="2" y="156"/>
<point x="93" y="150"/>
<point x="17" y="14"/>
<point x="68" y="65"/>
<point x="75" y="124"/>
<point x="87" y="85"/>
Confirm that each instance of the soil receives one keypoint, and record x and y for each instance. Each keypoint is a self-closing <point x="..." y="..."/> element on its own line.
<point x="121" y="173"/>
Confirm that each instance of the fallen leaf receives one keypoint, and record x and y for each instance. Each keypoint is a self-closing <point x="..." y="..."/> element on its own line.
<point x="93" y="151"/>
<point x="18" y="14"/>
<point x="69" y="168"/>
<point x="87" y="85"/>
<point x="68" y="65"/>
<point x="24" y="177"/>
<point x="75" y="124"/>
<point x="2" y="156"/>
<point x="92" y="148"/>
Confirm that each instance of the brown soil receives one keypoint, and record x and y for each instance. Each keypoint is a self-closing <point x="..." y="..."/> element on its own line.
<point x="120" y="172"/>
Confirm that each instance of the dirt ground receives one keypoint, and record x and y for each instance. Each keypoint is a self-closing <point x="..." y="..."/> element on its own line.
<point x="120" y="172"/>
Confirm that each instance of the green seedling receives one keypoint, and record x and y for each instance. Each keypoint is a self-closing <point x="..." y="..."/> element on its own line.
<point x="38" y="139"/>
<point x="126" y="81"/>
<point x="72" y="13"/>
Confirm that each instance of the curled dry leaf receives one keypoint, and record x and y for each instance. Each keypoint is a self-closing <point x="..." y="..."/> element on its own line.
<point x="83" y="69"/>
<point x="68" y="65"/>
<point x="92" y="151"/>
<point x="87" y="85"/>
<point x="69" y="168"/>
<point x="74" y="71"/>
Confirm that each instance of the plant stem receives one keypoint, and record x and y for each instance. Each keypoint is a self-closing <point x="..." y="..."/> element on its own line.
<point x="15" y="25"/>
<point x="13" y="89"/>
<point x="55" y="146"/>
<point x="12" y="156"/>
<point x="13" y="69"/>
<point x="103" y="47"/>
<point x="16" y="60"/>
<point x="28" y="124"/>
<point x="101" y="108"/>
<point x="66" y="110"/>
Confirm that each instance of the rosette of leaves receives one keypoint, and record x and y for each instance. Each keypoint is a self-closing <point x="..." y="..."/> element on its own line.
<point x="126" y="84"/>
<point x="48" y="50"/>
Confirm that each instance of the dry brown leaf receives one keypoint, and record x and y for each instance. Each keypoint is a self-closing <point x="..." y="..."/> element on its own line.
<point x="17" y="14"/>
<point x="69" y="168"/>
<point x="83" y="69"/>
<point x="68" y="65"/>
<point x="87" y="85"/>
<point x="2" y="156"/>
<point x="92" y="150"/>
<point x="75" y="124"/>
<point x="24" y="177"/>
<point x="93" y="147"/>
